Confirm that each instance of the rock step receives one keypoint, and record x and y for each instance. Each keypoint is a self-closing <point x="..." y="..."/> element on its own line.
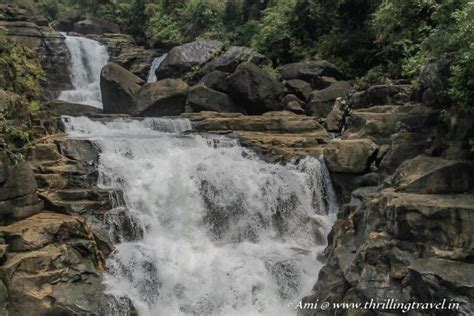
<point x="76" y="194"/>
<point x="54" y="202"/>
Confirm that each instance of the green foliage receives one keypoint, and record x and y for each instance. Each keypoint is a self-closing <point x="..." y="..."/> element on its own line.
<point x="462" y="79"/>
<point x="24" y="68"/>
<point x="165" y="30"/>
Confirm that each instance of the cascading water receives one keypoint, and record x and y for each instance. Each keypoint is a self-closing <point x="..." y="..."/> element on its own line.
<point x="154" y="65"/>
<point x="204" y="227"/>
<point x="87" y="59"/>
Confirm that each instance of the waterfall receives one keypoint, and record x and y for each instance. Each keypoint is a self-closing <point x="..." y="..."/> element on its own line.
<point x="87" y="59"/>
<point x="154" y="65"/>
<point x="202" y="226"/>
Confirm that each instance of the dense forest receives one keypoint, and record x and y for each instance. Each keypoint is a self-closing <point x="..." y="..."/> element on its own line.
<point x="375" y="41"/>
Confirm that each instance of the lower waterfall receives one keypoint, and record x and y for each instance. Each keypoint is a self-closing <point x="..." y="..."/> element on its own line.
<point x="202" y="226"/>
<point x="87" y="59"/>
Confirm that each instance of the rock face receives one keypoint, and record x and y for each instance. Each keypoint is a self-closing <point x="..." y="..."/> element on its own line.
<point x="118" y="87"/>
<point x="161" y="98"/>
<point x="337" y="118"/>
<point x="310" y="71"/>
<point x="22" y="26"/>
<point x="322" y="101"/>
<point x="434" y="175"/>
<point x="409" y="247"/>
<point x="300" y="88"/>
<point x="95" y="26"/>
<point x="255" y="89"/>
<point x="182" y="59"/>
<point x="349" y="156"/>
<point x="201" y="98"/>
<point x="230" y="59"/>
<point x="52" y="267"/>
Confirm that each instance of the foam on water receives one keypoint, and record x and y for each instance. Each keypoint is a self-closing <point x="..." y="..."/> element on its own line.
<point x="209" y="229"/>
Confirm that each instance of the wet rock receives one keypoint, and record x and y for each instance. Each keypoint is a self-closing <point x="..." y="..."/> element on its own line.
<point x="201" y="98"/>
<point x="382" y="95"/>
<point x="307" y="71"/>
<point x="434" y="175"/>
<point x="216" y="80"/>
<point x="231" y="58"/>
<point x="349" y="156"/>
<point x="95" y="26"/>
<point x="255" y="89"/>
<point x="322" y="101"/>
<point x="161" y="98"/>
<point x="181" y="59"/>
<point x="118" y="87"/>
<point x="78" y="149"/>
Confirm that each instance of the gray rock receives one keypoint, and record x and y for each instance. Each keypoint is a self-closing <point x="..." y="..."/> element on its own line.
<point x="434" y="75"/>
<point x="322" y="101"/>
<point x="95" y="26"/>
<point x="201" y="98"/>
<point x="216" y="80"/>
<point x="161" y="98"/>
<point x="349" y="156"/>
<point x="300" y="88"/>
<point x="182" y="59"/>
<point x="434" y="175"/>
<point x="230" y="59"/>
<point x="308" y="71"/>
<point x="254" y="89"/>
<point x="382" y="95"/>
<point x="118" y="87"/>
<point x="60" y="107"/>
<point x="336" y="119"/>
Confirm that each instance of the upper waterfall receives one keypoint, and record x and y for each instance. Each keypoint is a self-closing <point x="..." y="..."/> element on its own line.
<point x="154" y="65"/>
<point x="202" y="225"/>
<point x="87" y="59"/>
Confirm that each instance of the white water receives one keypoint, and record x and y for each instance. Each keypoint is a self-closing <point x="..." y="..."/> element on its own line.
<point x="224" y="232"/>
<point x="87" y="59"/>
<point x="154" y="65"/>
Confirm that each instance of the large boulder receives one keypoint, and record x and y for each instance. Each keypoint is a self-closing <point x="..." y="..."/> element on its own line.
<point x="161" y="98"/>
<point x="234" y="56"/>
<point x="310" y="70"/>
<point x="255" y="89"/>
<point x="322" y="101"/>
<point x="201" y="98"/>
<point x="216" y="80"/>
<point x="382" y="95"/>
<point x="66" y="20"/>
<point x="17" y="190"/>
<point x="434" y="175"/>
<point x="349" y="156"/>
<point x="300" y="88"/>
<point x="60" y="107"/>
<point x="118" y="87"/>
<point x="434" y="76"/>
<point x="95" y="26"/>
<point x="181" y="59"/>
